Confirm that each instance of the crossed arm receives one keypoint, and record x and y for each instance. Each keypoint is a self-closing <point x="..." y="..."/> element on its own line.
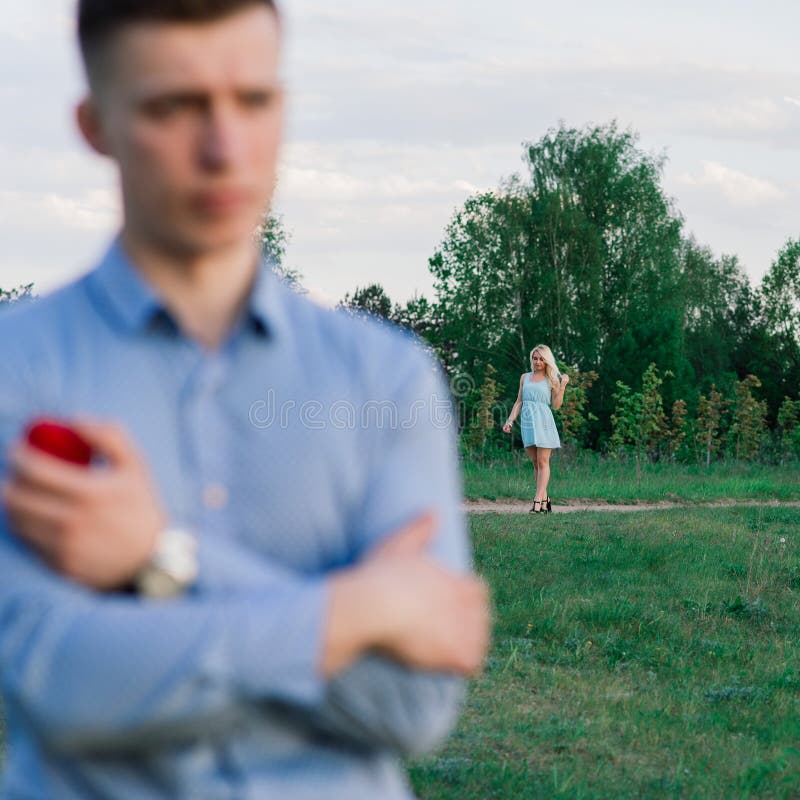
<point x="103" y="672"/>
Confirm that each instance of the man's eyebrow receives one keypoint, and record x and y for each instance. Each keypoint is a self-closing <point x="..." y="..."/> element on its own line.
<point x="195" y="92"/>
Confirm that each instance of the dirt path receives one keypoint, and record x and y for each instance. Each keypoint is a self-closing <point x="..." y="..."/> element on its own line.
<point x="523" y="506"/>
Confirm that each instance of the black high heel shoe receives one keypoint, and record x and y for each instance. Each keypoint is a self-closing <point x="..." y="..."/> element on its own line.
<point x="549" y="507"/>
<point x="535" y="510"/>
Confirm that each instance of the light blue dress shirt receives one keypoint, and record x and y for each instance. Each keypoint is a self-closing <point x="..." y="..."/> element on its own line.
<point x="291" y="450"/>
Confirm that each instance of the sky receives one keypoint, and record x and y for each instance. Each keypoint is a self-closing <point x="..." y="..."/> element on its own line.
<point x="399" y="111"/>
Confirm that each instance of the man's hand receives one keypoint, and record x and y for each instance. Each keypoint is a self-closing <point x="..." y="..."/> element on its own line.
<point x="400" y="601"/>
<point x="97" y="526"/>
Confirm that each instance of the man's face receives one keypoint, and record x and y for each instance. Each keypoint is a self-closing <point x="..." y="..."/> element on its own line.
<point x="192" y="114"/>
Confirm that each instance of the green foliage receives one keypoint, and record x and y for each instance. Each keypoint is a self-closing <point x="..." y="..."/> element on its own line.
<point x="370" y="299"/>
<point x="781" y="290"/>
<point x="777" y="357"/>
<point x="483" y="423"/>
<point x="789" y="429"/>
<point x="707" y="431"/>
<point x="585" y="251"/>
<point x="581" y="253"/>
<point x="274" y="239"/>
<point x="15" y="295"/>
<point x="716" y="291"/>
<point x="418" y="315"/>
<point x="572" y="416"/>
<point x="748" y="426"/>
<point x="676" y="430"/>
<point x="639" y="422"/>
<point x="625" y="420"/>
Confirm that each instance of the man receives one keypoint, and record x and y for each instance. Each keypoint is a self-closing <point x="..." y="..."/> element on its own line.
<point x="261" y="587"/>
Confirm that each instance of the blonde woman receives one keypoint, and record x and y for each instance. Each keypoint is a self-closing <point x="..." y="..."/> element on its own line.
<point x="539" y="389"/>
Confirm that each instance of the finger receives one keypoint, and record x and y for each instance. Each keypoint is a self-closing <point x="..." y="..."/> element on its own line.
<point x="418" y="534"/>
<point x="25" y="505"/>
<point x="409" y="540"/>
<point x="47" y="473"/>
<point x="38" y="537"/>
<point x="108" y="439"/>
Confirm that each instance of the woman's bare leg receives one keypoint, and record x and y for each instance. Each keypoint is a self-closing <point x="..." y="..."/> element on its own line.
<point x="531" y="453"/>
<point x="542" y="471"/>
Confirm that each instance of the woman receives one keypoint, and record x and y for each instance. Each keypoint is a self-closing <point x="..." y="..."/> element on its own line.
<point x="538" y="390"/>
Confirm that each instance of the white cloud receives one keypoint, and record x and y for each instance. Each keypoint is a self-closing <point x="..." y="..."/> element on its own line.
<point x="737" y="187"/>
<point x="792" y="101"/>
<point x="321" y="297"/>
<point x="740" y="115"/>
<point x="95" y="210"/>
<point x="313" y="184"/>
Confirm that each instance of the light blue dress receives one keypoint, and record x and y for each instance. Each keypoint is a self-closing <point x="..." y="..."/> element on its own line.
<point x="536" y="420"/>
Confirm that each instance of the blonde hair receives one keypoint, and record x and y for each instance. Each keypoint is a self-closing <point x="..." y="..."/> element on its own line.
<point x="551" y="369"/>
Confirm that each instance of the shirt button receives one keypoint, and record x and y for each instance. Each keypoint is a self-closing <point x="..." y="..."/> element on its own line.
<point x="215" y="497"/>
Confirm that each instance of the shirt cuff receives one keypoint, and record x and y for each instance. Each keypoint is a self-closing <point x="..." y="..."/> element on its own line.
<point x="282" y="659"/>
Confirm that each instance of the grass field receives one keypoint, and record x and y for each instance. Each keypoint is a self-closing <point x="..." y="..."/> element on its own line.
<point x="590" y="477"/>
<point x="648" y="655"/>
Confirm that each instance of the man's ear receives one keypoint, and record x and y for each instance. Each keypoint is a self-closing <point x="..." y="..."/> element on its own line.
<point x="91" y="126"/>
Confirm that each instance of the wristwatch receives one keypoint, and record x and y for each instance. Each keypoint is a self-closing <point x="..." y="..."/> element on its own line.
<point x="172" y="568"/>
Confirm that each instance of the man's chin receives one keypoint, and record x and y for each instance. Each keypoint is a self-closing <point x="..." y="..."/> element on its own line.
<point x="210" y="239"/>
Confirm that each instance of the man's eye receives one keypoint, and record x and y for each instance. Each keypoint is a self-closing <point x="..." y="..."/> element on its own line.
<point x="166" y="107"/>
<point x="257" y="99"/>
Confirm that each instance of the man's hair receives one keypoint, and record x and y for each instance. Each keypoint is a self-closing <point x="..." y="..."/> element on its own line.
<point x="99" y="20"/>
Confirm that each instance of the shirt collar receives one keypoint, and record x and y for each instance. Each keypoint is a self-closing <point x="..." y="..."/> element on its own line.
<point x="122" y="292"/>
<point x="267" y="302"/>
<point x="120" y="289"/>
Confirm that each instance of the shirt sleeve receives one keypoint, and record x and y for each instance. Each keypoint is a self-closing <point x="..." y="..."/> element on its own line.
<point x="414" y="468"/>
<point x="96" y="672"/>
<point x="413" y="464"/>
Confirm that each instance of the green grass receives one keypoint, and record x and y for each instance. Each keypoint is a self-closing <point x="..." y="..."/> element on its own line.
<point x="646" y="655"/>
<point x="590" y="477"/>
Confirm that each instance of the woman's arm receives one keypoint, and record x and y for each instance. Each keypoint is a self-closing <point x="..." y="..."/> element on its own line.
<point x="557" y="397"/>
<point x="516" y="408"/>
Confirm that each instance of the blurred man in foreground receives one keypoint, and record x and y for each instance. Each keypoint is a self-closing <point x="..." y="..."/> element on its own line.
<point x="260" y="587"/>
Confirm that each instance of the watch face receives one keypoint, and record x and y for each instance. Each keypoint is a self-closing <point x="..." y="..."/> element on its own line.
<point x="157" y="583"/>
<point x="173" y="567"/>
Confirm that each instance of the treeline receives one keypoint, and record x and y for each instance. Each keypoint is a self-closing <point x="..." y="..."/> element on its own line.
<point x="9" y="296"/>
<point x="585" y="252"/>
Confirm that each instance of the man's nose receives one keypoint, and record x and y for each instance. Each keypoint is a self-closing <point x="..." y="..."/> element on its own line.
<point x="221" y="140"/>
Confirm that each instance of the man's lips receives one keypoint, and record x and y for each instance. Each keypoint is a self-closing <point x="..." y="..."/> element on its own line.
<point x="221" y="202"/>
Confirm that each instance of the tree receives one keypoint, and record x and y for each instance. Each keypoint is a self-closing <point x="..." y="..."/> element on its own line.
<point x="572" y="416"/>
<point x="707" y="434"/>
<point x="274" y="240"/>
<point x="676" y="430"/>
<point x="789" y="429"/>
<point x="483" y="423"/>
<point x="625" y="424"/>
<point x="638" y="419"/>
<point x="654" y="421"/>
<point x="749" y="419"/>
<point x="713" y="290"/>
<point x="371" y="299"/>
<point x="17" y="294"/>
<point x="780" y="289"/>
<point x="419" y="316"/>
<point x="582" y="253"/>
